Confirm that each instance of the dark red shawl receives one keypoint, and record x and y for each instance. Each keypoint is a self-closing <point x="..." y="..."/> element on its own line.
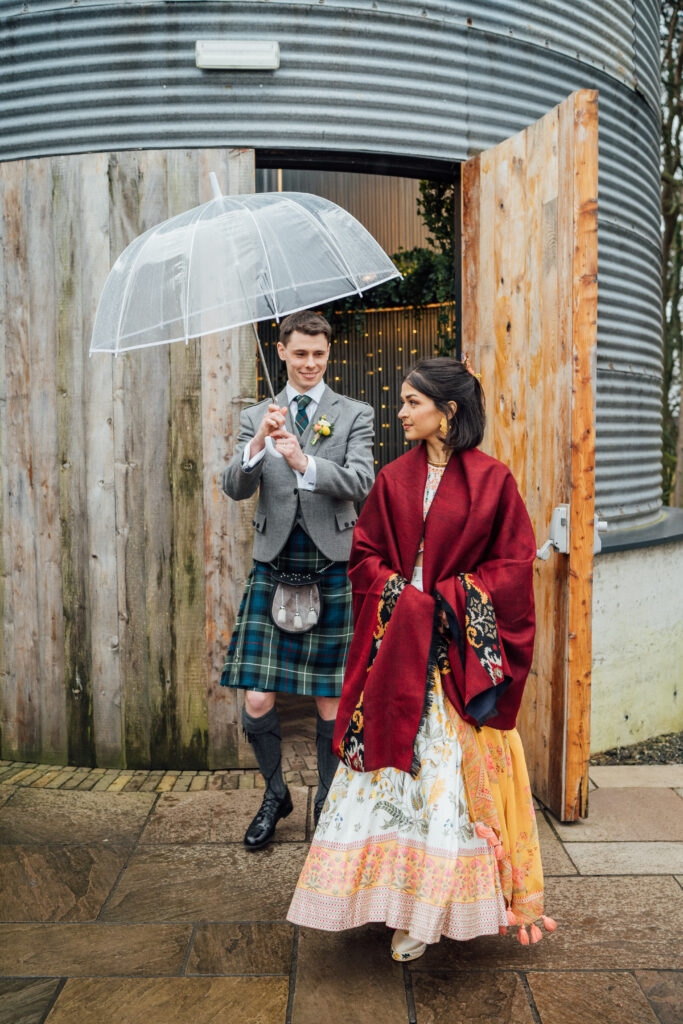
<point x="477" y="525"/>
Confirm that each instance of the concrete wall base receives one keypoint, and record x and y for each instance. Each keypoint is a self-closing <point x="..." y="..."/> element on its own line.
<point x="637" y="688"/>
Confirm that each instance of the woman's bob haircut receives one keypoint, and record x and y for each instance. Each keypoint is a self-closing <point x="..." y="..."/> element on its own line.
<point x="447" y="380"/>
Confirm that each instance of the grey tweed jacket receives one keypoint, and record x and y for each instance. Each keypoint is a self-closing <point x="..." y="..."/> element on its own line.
<point x="344" y="475"/>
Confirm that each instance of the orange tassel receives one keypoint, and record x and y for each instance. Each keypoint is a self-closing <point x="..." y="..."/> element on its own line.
<point x="485" y="832"/>
<point x="522" y="935"/>
<point x="502" y="930"/>
<point x="511" y="917"/>
<point x="499" y="851"/>
<point x="536" y="933"/>
<point x="549" y="924"/>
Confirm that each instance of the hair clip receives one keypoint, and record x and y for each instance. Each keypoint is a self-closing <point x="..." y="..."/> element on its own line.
<point x="468" y="366"/>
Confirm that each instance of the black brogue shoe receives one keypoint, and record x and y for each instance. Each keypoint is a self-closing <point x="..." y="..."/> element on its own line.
<point x="262" y="828"/>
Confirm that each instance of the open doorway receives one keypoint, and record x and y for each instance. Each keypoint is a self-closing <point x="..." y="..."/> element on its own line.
<point x="373" y="342"/>
<point x="379" y="335"/>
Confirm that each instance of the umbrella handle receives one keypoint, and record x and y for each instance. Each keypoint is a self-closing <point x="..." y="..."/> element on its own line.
<point x="270" y="446"/>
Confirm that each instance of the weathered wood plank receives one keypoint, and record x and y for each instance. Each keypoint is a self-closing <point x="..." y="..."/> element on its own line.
<point x="584" y="339"/>
<point x="153" y="419"/>
<point x="99" y="459"/>
<point x="554" y="436"/>
<point x="129" y="398"/>
<point x="189" y="602"/>
<point x="42" y="318"/>
<point x="557" y="371"/>
<point x="470" y="206"/>
<point x="67" y="183"/>
<point x="482" y="347"/>
<point x="534" y="705"/>
<point x="20" y="465"/>
<point x="9" y="742"/>
<point x="228" y="377"/>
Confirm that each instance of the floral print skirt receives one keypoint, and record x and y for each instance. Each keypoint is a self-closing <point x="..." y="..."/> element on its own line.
<point x="409" y="851"/>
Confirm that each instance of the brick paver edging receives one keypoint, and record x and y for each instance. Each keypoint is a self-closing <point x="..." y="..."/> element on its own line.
<point x="115" y="780"/>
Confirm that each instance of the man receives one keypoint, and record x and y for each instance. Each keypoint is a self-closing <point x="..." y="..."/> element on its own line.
<point x="304" y="522"/>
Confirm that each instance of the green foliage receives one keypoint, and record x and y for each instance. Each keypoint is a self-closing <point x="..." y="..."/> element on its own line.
<point x="436" y="206"/>
<point x="428" y="273"/>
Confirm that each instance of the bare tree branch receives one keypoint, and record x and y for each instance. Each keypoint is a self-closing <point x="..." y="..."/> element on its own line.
<point x="671" y="40"/>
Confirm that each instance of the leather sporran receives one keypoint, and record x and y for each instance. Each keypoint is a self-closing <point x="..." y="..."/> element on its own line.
<point x="296" y="602"/>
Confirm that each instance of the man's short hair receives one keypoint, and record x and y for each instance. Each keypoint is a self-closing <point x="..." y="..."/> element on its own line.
<point x="307" y="322"/>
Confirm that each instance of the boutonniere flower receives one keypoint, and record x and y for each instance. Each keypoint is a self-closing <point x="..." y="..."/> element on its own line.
<point x="323" y="428"/>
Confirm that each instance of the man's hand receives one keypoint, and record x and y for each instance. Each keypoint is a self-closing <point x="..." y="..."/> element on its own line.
<point x="288" y="445"/>
<point x="270" y="426"/>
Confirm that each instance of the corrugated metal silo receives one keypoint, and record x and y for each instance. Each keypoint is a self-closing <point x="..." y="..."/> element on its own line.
<point x="430" y="81"/>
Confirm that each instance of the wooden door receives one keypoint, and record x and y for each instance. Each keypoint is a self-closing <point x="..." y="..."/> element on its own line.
<point x="529" y="310"/>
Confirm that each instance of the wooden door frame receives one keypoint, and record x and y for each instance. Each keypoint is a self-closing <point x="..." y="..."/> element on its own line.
<point x="582" y="508"/>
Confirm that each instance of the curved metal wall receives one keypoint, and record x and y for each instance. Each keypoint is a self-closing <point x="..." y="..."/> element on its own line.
<point x="436" y="79"/>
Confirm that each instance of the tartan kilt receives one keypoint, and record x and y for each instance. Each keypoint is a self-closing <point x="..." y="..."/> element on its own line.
<point x="262" y="657"/>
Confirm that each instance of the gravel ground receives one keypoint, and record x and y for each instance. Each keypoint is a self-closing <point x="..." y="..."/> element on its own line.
<point x="666" y="749"/>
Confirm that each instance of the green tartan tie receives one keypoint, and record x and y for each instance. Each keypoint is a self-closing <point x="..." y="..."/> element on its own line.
<point x="302" y="416"/>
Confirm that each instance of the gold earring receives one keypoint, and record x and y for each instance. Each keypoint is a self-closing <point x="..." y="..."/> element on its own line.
<point x="443" y="427"/>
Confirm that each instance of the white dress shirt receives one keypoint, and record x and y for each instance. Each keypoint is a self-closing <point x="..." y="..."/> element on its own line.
<point x="306" y="480"/>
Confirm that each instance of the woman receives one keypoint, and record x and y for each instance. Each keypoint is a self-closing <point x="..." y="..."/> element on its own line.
<point x="429" y="824"/>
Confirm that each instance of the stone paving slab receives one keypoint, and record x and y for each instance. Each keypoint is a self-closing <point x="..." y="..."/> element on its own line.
<point x="590" y="998"/>
<point x="372" y="991"/>
<point x="664" y="990"/>
<point x="639" y="776"/>
<point x="172" y="1001"/>
<point x="37" y="816"/>
<point x="252" y="948"/>
<point x="632" y="923"/>
<point x="477" y="997"/>
<point x="218" y="817"/>
<point x="83" y="950"/>
<point x="5" y="793"/>
<point x="181" y="902"/>
<point x="57" y="883"/>
<point x="26" y="1001"/>
<point x="553" y="854"/>
<point x="205" y="882"/>
<point x="628" y="815"/>
<point x="627" y="858"/>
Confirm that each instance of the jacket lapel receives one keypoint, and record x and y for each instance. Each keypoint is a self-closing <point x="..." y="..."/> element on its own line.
<point x="326" y="407"/>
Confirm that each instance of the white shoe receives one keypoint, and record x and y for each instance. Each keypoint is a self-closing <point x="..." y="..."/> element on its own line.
<point x="404" y="948"/>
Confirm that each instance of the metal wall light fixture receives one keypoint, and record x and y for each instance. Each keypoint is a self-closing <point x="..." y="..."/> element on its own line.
<point x="237" y="54"/>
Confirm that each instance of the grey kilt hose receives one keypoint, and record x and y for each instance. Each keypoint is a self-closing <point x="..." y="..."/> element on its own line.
<point x="263" y="657"/>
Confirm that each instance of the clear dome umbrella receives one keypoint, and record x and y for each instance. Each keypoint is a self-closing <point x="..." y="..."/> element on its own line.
<point x="233" y="261"/>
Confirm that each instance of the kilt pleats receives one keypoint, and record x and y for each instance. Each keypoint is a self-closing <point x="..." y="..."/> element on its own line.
<point x="262" y="657"/>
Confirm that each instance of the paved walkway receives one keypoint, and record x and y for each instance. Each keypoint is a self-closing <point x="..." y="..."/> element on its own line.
<point x="129" y="898"/>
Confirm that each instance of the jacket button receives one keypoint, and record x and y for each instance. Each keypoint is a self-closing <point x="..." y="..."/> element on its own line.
<point x="347" y="524"/>
<point x="296" y="490"/>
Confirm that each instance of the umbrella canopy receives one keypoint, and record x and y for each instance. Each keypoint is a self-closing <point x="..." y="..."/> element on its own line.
<point x="235" y="260"/>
